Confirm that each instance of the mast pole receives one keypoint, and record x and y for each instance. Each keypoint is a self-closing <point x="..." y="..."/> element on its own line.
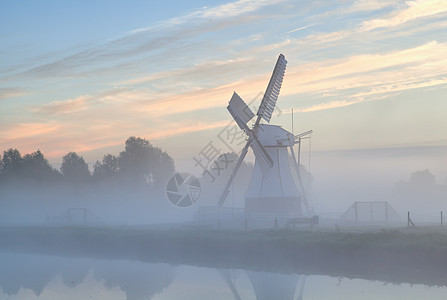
<point x="292" y="122"/>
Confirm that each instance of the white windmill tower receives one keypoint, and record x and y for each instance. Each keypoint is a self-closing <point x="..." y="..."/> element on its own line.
<point x="272" y="189"/>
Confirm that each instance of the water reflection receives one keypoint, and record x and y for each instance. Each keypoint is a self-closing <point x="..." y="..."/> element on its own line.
<point x="25" y="276"/>
<point x="36" y="273"/>
<point x="273" y="286"/>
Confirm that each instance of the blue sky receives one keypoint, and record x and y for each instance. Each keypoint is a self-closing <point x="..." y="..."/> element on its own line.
<point x="85" y="75"/>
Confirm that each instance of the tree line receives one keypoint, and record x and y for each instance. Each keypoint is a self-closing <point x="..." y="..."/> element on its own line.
<point x="140" y="163"/>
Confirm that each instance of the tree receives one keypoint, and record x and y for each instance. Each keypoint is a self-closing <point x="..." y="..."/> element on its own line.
<point x="36" y="166"/>
<point x="163" y="167"/>
<point x="142" y="163"/>
<point x="423" y="178"/>
<point x="74" y="167"/>
<point x="11" y="163"/>
<point x="134" y="160"/>
<point x="12" y="159"/>
<point x="107" y="168"/>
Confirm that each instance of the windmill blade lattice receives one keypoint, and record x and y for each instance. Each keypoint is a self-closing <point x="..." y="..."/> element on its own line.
<point x="271" y="94"/>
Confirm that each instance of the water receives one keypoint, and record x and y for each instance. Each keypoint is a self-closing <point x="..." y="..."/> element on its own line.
<point x="29" y="276"/>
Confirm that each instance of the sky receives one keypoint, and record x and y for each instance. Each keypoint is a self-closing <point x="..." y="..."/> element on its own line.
<point x="369" y="77"/>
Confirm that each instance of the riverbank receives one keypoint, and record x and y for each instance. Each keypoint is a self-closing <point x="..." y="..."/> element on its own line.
<point x="414" y="256"/>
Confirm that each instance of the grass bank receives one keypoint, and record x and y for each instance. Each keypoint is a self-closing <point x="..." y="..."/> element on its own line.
<point x="415" y="256"/>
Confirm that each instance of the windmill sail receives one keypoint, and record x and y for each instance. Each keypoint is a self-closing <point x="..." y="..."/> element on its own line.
<point x="240" y="112"/>
<point x="271" y="94"/>
<point x="259" y="149"/>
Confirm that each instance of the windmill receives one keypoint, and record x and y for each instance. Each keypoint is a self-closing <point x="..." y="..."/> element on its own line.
<point x="272" y="189"/>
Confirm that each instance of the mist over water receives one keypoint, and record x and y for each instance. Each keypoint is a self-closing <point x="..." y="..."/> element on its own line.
<point x="27" y="276"/>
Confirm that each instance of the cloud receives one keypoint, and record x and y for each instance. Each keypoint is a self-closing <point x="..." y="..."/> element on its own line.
<point x="298" y="29"/>
<point x="376" y="72"/>
<point x="77" y="104"/>
<point x="211" y="69"/>
<point x="358" y="78"/>
<point x="8" y="93"/>
<point x="228" y="10"/>
<point x="237" y="8"/>
<point x="57" y="139"/>
<point x="201" y="99"/>
<point x="330" y="105"/>
<point x="279" y="45"/>
<point x="414" y="10"/>
<point x="177" y="129"/>
<point x="365" y="33"/>
<point x="353" y="7"/>
<point x="393" y="88"/>
<point x="26" y="130"/>
<point x="171" y="34"/>
<point x="369" y="5"/>
<point x="66" y="106"/>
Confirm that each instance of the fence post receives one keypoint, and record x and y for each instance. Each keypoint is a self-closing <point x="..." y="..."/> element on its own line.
<point x="386" y="211"/>
<point x="409" y="221"/>
<point x="441" y="219"/>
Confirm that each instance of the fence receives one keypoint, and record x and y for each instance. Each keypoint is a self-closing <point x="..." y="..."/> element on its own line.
<point x="226" y="217"/>
<point x="77" y="217"/>
<point x="426" y="219"/>
<point x="370" y="212"/>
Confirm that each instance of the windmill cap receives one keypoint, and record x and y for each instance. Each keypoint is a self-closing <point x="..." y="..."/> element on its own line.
<point x="273" y="136"/>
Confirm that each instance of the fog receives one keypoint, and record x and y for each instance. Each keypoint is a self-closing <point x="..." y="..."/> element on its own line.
<point x="110" y="204"/>
<point x="130" y="188"/>
<point x="85" y="215"/>
<point x="124" y="189"/>
<point x="409" y="179"/>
